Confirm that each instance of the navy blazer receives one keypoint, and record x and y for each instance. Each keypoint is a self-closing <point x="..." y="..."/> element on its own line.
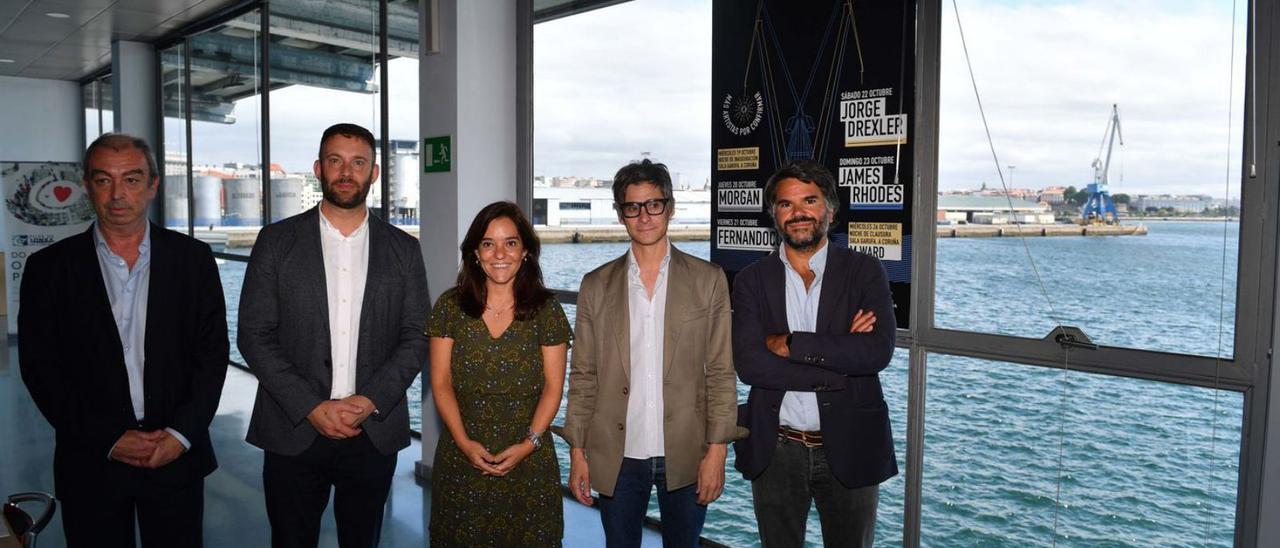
<point x="284" y="332"/>
<point x="841" y="367"/>
<point x="73" y="362"/>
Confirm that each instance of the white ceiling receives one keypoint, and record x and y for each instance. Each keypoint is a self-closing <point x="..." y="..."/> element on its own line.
<point x="72" y="48"/>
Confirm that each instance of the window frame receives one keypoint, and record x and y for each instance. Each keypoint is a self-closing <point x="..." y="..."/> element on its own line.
<point x="1248" y="371"/>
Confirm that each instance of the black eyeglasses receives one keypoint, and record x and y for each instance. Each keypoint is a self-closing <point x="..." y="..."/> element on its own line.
<point x="632" y="209"/>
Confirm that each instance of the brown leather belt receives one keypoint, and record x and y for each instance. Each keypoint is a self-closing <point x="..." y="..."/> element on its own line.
<point x="808" y="439"/>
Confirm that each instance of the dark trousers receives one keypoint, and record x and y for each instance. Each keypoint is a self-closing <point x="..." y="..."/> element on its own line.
<point x="797" y="476"/>
<point x="623" y="513"/>
<point x="104" y="518"/>
<point x="297" y="491"/>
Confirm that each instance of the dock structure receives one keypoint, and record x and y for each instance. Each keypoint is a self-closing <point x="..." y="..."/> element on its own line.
<point x="1038" y="230"/>
<point x="244" y="237"/>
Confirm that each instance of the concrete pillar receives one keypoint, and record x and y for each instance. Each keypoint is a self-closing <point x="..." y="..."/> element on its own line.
<point x="133" y="82"/>
<point x="469" y="92"/>
<point x="133" y="85"/>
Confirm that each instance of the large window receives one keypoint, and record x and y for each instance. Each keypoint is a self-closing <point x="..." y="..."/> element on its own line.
<point x="255" y="126"/>
<point x="1016" y="455"/>
<point x="607" y="95"/>
<point x="1151" y="116"/>
<point x="1117" y="145"/>
<point x="99" y="109"/>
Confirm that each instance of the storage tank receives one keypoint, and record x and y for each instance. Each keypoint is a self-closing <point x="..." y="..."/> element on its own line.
<point x="244" y="202"/>
<point x="208" y="200"/>
<point x="286" y="197"/>
<point x="175" y="201"/>
<point x="404" y="181"/>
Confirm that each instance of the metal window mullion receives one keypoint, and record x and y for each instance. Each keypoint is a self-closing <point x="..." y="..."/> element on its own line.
<point x="384" y="117"/>
<point x="161" y="145"/>
<point x="917" y="369"/>
<point x="264" y="84"/>
<point x="187" y="112"/>
<point x="923" y="244"/>
<point x="97" y="89"/>
<point x="1258" y="483"/>
<point x="524" y="105"/>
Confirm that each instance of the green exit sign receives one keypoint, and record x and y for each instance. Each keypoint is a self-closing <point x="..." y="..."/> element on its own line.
<point x="437" y="155"/>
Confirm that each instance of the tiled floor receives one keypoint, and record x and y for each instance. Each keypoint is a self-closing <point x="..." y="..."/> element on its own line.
<point x="235" y="515"/>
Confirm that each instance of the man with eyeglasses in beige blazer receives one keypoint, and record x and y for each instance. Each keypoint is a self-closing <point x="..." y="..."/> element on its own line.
<point x="652" y="391"/>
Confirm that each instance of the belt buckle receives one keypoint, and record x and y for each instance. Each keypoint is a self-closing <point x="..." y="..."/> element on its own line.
<point x="807" y="439"/>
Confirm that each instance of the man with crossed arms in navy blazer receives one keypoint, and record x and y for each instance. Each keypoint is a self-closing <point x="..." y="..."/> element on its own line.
<point x="813" y="325"/>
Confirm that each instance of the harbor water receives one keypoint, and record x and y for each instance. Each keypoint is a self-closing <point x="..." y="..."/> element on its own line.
<point x="1017" y="455"/>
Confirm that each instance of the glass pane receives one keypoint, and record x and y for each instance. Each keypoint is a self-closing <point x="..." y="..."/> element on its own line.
<point x="226" y="133"/>
<point x="1023" y="455"/>
<point x="322" y="73"/>
<point x="592" y="75"/>
<point x="402" y="98"/>
<point x="174" y="101"/>
<point x="232" y="275"/>
<point x="90" y="97"/>
<point x="1149" y="118"/>
<point x="107" y="104"/>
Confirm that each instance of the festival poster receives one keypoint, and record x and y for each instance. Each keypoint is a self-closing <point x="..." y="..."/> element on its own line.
<point x="831" y="81"/>
<point x="44" y="202"/>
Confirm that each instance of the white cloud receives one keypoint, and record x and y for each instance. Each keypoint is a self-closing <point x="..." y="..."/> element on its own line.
<point x="1048" y="74"/>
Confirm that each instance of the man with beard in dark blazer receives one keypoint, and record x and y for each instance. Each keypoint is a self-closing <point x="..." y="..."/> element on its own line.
<point x="813" y="326"/>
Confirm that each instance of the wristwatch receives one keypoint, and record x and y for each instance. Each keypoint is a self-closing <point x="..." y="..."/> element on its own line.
<point x="535" y="438"/>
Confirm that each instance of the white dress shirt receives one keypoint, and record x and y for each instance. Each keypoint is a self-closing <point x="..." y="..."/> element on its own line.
<point x="346" y="267"/>
<point x="644" y="434"/>
<point x="128" y="290"/>
<point x="800" y="409"/>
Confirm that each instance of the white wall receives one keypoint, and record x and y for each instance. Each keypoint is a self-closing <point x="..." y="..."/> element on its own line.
<point x="40" y="120"/>
<point x="467" y="91"/>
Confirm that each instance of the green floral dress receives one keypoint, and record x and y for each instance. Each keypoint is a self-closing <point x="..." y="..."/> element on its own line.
<point x="498" y="383"/>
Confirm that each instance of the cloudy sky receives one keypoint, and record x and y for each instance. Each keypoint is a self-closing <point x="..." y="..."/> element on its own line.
<point x="608" y="89"/>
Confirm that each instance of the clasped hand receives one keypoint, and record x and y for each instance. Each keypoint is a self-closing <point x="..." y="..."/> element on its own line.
<point x="494" y="465"/>
<point x="147" y="449"/>
<point x="341" y="419"/>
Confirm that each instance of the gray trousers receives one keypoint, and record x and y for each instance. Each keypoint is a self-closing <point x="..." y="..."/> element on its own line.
<point x="798" y="476"/>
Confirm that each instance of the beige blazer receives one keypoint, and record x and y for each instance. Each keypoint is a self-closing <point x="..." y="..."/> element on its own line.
<point x="699" y="384"/>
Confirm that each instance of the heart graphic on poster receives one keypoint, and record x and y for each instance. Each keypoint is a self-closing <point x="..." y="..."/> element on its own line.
<point x="61" y="193"/>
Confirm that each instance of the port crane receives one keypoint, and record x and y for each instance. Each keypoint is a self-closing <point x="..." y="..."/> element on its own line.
<point x="1101" y="207"/>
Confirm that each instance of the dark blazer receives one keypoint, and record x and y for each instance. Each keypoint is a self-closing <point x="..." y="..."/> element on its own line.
<point x="839" y="366"/>
<point x="73" y="363"/>
<point x="284" y="332"/>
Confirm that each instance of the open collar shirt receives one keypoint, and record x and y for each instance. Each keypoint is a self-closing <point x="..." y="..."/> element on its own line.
<point x="647" y="314"/>
<point x="346" y="268"/>
<point x="799" y="410"/>
<point x="128" y="290"/>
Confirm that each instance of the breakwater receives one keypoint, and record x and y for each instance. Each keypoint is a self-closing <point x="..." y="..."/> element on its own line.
<point x="1008" y="231"/>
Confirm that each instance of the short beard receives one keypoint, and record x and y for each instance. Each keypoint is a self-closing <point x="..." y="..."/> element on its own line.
<point x="356" y="199"/>
<point x="820" y="227"/>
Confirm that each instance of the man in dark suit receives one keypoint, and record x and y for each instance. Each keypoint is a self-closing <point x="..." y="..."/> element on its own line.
<point x="332" y="319"/>
<point x="812" y="327"/>
<point x="122" y="341"/>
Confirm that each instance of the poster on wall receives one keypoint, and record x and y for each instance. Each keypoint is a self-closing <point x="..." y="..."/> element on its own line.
<point x="831" y="81"/>
<point x="44" y="202"/>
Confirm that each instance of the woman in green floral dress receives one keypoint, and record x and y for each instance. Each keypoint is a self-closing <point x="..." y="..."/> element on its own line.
<point x="498" y="346"/>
